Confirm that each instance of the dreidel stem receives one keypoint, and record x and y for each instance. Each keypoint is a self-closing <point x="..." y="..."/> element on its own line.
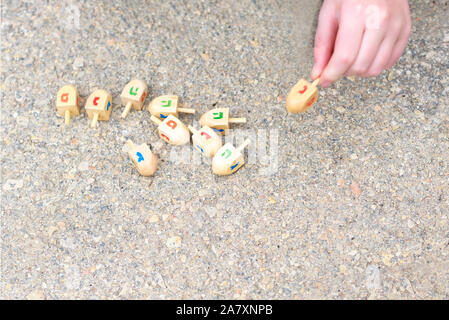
<point x="186" y="110"/>
<point x="67" y="117"/>
<point x="130" y="144"/>
<point x="193" y="130"/>
<point x="316" y="82"/>
<point x="244" y="145"/>
<point x="94" y="120"/>
<point x="156" y="120"/>
<point x="127" y="108"/>
<point x="237" y="120"/>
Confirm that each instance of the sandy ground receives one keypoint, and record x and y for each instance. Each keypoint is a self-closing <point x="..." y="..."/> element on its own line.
<point x="349" y="200"/>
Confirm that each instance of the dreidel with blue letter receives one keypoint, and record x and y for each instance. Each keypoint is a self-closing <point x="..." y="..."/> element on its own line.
<point x="219" y="120"/>
<point x="163" y="106"/>
<point x="68" y="102"/>
<point x="142" y="158"/>
<point x="302" y="96"/>
<point x="172" y="130"/>
<point x="133" y="96"/>
<point x="229" y="159"/>
<point x="99" y="106"/>
<point x="206" y="140"/>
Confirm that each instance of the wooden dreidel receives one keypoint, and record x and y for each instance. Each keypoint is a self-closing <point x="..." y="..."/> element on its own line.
<point x="163" y="106"/>
<point x="302" y="96"/>
<point x="206" y="140"/>
<point x="99" y="106"/>
<point x="229" y="159"/>
<point x="68" y="102"/>
<point x="142" y="157"/>
<point x="172" y="130"/>
<point x="219" y="120"/>
<point x="133" y="96"/>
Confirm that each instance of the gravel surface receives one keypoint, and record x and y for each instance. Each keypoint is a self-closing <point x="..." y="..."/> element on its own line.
<point x="350" y="200"/>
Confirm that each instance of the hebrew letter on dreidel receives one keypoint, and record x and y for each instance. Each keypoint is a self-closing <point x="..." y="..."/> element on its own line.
<point x="172" y="124"/>
<point x="302" y="96"/>
<point x="166" y="104"/>
<point x="133" y="96"/>
<point x="67" y="102"/>
<point x="206" y="140"/>
<point x="205" y="135"/>
<point x="98" y="106"/>
<point x="218" y="115"/>
<point x="219" y="120"/>
<point x="142" y="158"/>
<point x="229" y="159"/>
<point x="133" y="93"/>
<point x="226" y="154"/>
<point x="172" y="130"/>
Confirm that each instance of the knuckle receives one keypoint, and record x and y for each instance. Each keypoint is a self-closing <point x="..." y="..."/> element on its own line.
<point x="346" y="58"/>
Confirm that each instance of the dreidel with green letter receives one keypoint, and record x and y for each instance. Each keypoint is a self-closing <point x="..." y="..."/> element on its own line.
<point x="143" y="159"/>
<point x="133" y="96"/>
<point x="163" y="106"/>
<point x="219" y="120"/>
<point x="99" y="106"/>
<point x="172" y="130"/>
<point x="229" y="159"/>
<point x="206" y="140"/>
<point x="68" y="102"/>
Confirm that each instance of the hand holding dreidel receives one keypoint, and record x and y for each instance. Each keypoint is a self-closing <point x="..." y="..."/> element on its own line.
<point x="219" y="120"/>
<point x="302" y="96"/>
<point x="143" y="159"/>
<point x="99" y="106"/>
<point x="163" y="106"/>
<point x="172" y="130"/>
<point x="229" y="159"/>
<point x="133" y="96"/>
<point x="206" y="140"/>
<point x="68" y="102"/>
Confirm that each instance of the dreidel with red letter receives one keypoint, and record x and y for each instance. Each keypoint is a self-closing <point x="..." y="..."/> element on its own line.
<point x="163" y="106"/>
<point x="133" y="96"/>
<point x="206" y="140"/>
<point x="229" y="159"/>
<point x="172" y="130"/>
<point x="219" y="120"/>
<point x="68" y="102"/>
<point x="143" y="159"/>
<point x="99" y="106"/>
<point x="302" y="96"/>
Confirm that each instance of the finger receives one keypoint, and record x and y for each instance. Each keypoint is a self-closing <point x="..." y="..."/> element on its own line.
<point x="400" y="46"/>
<point x="324" y="38"/>
<point x="347" y="45"/>
<point x="385" y="53"/>
<point x="371" y="42"/>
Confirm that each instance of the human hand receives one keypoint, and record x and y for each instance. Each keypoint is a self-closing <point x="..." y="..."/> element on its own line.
<point x="359" y="38"/>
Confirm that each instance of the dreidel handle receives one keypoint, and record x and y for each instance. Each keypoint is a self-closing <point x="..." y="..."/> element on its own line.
<point x="244" y="145"/>
<point x="130" y="144"/>
<point x="93" y="124"/>
<point x="193" y="130"/>
<point x="156" y="120"/>
<point x="316" y="82"/>
<point x="67" y="117"/>
<point x="127" y="108"/>
<point x="186" y="110"/>
<point x="237" y="120"/>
